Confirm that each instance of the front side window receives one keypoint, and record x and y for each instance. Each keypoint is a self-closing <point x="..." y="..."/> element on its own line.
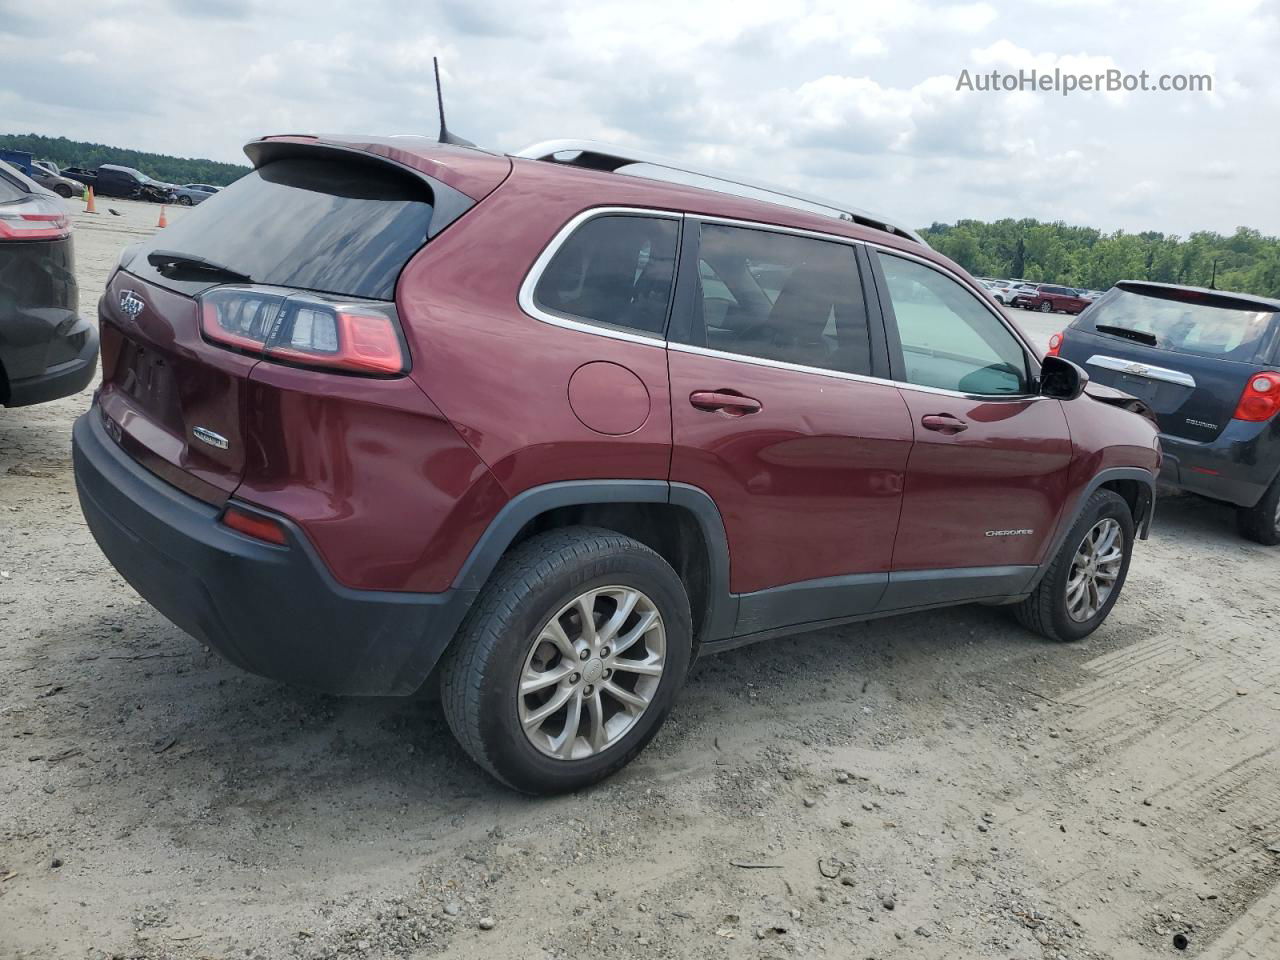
<point x="949" y="339"/>
<point x="614" y="270"/>
<point x="781" y="297"/>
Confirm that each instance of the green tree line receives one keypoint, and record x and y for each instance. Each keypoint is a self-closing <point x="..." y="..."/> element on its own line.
<point x="76" y="153"/>
<point x="1246" y="261"/>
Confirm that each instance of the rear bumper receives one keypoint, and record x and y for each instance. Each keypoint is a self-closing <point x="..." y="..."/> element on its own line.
<point x="1236" y="467"/>
<point x="65" y="376"/>
<point x="275" y="611"/>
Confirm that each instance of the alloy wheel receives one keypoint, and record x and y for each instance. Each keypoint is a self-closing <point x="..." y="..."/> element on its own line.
<point x="591" y="672"/>
<point x="1095" y="568"/>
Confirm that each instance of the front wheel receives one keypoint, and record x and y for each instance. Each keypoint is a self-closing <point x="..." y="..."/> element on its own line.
<point x="1261" y="522"/>
<point x="1086" y="576"/>
<point x="184" y="201"/>
<point x="63" y="191"/>
<point x="569" y="661"/>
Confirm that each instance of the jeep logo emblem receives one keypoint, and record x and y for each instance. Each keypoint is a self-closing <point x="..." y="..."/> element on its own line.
<point x="131" y="303"/>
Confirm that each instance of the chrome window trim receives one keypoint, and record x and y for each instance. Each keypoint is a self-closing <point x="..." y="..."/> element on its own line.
<point x="530" y="306"/>
<point x="842" y="375"/>
<point x="1138" y="369"/>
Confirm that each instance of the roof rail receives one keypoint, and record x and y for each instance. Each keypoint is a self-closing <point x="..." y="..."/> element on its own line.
<point x="594" y="155"/>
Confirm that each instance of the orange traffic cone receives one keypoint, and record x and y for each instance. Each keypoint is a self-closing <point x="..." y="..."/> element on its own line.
<point x="163" y="221"/>
<point x="88" y="200"/>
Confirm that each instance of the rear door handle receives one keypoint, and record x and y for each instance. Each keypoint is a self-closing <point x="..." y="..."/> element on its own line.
<point x="943" y="423"/>
<point x="723" y="401"/>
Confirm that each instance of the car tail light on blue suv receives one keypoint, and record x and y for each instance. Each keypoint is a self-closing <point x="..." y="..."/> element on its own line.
<point x="1261" y="398"/>
<point x="305" y="329"/>
<point x="1055" y="345"/>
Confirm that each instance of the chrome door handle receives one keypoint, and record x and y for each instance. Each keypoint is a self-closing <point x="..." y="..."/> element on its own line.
<point x="722" y="401"/>
<point x="943" y="423"/>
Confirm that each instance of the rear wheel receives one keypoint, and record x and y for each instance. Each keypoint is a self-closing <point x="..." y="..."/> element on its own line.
<point x="1084" y="580"/>
<point x="1046" y="307"/>
<point x="1261" y="522"/>
<point x="569" y="661"/>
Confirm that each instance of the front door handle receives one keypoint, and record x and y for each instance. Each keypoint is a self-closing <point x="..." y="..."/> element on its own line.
<point x="943" y="423"/>
<point x="724" y="401"/>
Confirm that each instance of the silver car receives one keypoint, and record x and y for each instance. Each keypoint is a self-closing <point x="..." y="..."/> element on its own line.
<point x="50" y="177"/>
<point x="189" y="194"/>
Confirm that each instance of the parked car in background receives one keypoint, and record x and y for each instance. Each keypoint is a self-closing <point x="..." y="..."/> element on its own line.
<point x="1207" y="363"/>
<point x="649" y="421"/>
<point x="192" y="193"/>
<point x="47" y="350"/>
<point x="156" y="191"/>
<point x="112" y="180"/>
<point x="48" y="176"/>
<point x="1011" y="290"/>
<point x="1051" y="298"/>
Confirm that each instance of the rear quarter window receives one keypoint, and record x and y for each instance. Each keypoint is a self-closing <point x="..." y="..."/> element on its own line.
<point x="615" y="271"/>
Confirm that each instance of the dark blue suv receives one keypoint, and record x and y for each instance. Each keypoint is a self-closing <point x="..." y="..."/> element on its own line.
<point x="1207" y="364"/>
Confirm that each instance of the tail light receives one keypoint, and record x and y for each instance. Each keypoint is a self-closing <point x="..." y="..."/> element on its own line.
<point x="33" y="220"/>
<point x="306" y="329"/>
<point x="1261" y="398"/>
<point x="1055" y="344"/>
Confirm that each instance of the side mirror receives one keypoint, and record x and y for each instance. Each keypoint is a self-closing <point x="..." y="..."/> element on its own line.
<point x="1061" y="379"/>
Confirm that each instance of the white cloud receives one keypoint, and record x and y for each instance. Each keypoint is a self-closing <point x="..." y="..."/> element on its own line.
<point x="854" y="99"/>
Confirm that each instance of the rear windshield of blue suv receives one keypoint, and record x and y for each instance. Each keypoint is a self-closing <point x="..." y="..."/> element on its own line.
<point x="1182" y="325"/>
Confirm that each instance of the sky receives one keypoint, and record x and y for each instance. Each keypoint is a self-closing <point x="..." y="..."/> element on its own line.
<point x="853" y="100"/>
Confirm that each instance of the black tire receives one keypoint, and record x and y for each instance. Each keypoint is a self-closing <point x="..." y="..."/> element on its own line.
<point x="184" y="201"/>
<point x="1261" y="522"/>
<point x="63" y="191"/>
<point x="1046" y="307"/>
<point x="1045" y="611"/>
<point x="482" y="669"/>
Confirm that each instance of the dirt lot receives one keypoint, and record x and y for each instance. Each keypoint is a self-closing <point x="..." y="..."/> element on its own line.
<point x="936" y="786"/>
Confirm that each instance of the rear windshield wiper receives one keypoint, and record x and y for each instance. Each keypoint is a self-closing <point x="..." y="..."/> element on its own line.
<point x="170" y="259"/>
<point x="1141" y="336"/>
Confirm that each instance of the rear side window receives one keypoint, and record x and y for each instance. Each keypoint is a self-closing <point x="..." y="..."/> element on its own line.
<point x="781" y="297"/>
<point x="311" y="224"/>
<point x="950" y="340"/>
<point x="1195" y="326"/>
<point x="11" y="188"/>
<point x="616" y="271"/>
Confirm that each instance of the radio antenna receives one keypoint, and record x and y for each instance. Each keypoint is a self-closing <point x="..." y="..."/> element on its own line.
<point x="445" y="135"/>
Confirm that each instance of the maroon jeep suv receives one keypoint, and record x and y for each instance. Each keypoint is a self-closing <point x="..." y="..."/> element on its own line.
<point x="541" y="431"/>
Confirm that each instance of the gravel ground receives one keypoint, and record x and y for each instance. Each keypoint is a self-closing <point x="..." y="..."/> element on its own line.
<point x="933" y="786"/>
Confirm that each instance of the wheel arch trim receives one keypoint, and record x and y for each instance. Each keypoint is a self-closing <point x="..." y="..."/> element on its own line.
<point x="1147" y="504"/>
<point x="532" y="503"/>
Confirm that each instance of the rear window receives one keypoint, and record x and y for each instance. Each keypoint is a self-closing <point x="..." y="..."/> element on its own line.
<point x="313" y="224"/>
<point x="1181" y="326"/>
